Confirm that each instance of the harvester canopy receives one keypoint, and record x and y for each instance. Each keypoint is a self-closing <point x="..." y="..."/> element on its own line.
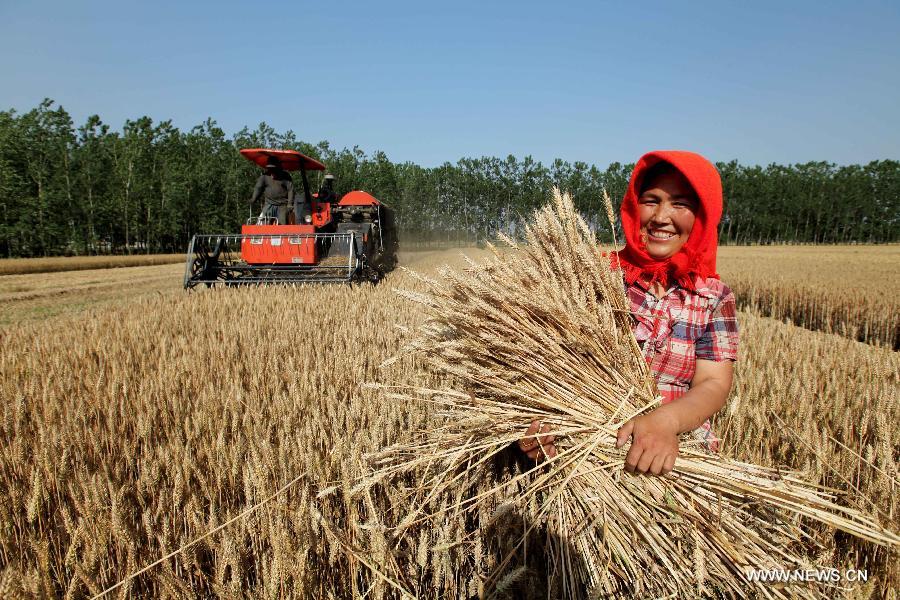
<point x="290" y="160"/>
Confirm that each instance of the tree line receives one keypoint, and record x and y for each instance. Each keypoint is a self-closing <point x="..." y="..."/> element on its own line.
<point x="149" y="187"/>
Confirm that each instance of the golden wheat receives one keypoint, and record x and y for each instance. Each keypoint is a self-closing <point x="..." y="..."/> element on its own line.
<point x="543" y="332"/>
<point x="131" y="427"/>
<point x="850" y="290"/>
<point x="21" y="266"/>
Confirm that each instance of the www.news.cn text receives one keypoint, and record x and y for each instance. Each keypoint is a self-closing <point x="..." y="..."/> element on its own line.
<point x="829" y="575"/>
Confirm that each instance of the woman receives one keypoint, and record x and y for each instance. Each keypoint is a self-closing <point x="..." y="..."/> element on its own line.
<point x="683" y="316"/>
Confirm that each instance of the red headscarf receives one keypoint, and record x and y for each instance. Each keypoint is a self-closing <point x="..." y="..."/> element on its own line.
<point x="697" y="258"/>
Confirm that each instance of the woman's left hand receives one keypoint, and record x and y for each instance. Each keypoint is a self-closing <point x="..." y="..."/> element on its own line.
<point x="654" y="445"/>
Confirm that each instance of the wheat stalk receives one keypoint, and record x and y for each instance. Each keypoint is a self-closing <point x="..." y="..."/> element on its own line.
<point x="542" y="331"/>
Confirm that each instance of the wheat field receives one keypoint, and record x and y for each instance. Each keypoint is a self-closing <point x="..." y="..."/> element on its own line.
<point x="22" y="266"/>
<point x="137" y="418"/>
<point x="850" y="290"/>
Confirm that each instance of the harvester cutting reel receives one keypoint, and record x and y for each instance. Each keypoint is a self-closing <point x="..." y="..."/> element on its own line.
<point x="258" y="259"/>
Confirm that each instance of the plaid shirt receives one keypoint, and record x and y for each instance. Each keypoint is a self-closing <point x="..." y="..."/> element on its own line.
<point x="682" y="326"/>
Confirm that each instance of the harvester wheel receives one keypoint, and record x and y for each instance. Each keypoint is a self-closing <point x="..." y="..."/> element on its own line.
<point x="205" y="266"/>
<point x="371" y="274"/>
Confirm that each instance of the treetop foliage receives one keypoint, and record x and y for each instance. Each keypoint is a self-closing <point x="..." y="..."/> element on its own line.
<point x="150" y="186"/>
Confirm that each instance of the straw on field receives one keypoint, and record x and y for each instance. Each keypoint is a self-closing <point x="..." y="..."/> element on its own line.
<point x="541" y="331"/>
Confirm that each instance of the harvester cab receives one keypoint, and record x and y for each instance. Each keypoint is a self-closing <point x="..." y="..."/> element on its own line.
<point x="351" y="240"/>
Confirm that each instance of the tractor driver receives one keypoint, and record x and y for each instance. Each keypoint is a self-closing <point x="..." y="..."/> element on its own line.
<point x="276" y="186"/>
<point x="326" y="192"/>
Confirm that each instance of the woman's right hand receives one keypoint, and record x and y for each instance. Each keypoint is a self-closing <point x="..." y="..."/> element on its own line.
<point x="538" y="447"/>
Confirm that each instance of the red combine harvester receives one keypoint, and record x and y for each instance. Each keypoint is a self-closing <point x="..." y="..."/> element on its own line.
<point x="352" y="240"/>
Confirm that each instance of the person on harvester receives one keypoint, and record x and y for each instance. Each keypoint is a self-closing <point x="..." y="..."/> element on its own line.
<point x="683" y="315"/>
<point x="276" y="186"/>
<point x="326" y="192"/>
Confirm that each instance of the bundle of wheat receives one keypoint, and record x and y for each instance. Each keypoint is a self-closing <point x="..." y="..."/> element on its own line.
<point x="542" y="332"/>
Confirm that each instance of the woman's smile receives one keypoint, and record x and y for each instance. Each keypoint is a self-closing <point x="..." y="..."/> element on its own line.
<point x="659" y="234"/>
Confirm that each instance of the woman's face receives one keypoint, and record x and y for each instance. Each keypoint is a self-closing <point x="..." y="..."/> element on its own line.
<point x="667" y="208"/>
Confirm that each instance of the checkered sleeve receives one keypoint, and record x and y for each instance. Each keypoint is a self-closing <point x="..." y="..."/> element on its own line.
<point x="720" y="340"/>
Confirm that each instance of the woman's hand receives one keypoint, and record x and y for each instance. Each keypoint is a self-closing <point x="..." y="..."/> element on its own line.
<point x="654" y="445"/>
<point x="536" y="448"/>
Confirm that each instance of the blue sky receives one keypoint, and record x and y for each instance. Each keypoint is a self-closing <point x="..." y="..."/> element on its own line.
<point x="760" y="82"/>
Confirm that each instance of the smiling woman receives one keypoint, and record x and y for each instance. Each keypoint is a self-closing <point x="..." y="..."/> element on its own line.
<point x="683" y="316"/>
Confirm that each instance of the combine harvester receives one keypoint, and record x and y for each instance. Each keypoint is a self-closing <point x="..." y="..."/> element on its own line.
<point x="352" y="240"/>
